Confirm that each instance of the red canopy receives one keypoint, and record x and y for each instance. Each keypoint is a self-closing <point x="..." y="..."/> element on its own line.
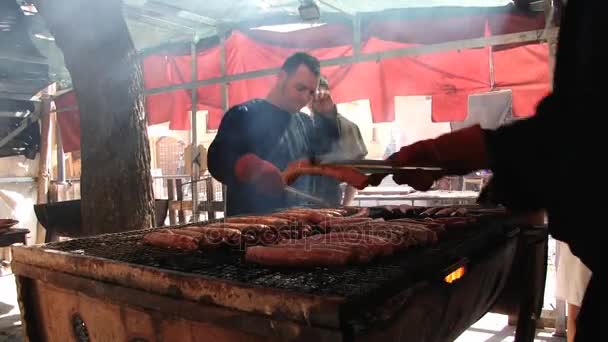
<point x="449" y="77"/>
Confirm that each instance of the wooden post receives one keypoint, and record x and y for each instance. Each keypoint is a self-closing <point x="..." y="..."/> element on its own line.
<point x="44" y="160"/>
<point x="60" y="177"/>
<point x="172" y="197"/>
<point x="225" y="107"/>
<point x="210" y="193"/>
<point x="180" y="197"/>
<point x="195" y="173"/>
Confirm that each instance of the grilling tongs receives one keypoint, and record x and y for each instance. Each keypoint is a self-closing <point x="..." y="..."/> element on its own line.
<point x="371" y="166"/>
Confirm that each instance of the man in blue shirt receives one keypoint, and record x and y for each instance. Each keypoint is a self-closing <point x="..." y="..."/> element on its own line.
<point x="259" y="138"/>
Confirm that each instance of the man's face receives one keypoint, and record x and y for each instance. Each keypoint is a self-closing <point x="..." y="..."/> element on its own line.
<point x="298" y="89"/>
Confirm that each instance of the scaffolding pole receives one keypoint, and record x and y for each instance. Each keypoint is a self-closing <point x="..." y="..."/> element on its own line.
<point x="225" y="99"/>
<point x="194" y="147"/>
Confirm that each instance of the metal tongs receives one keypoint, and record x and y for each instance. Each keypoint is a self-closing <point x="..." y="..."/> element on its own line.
<point x="371" y="166"/>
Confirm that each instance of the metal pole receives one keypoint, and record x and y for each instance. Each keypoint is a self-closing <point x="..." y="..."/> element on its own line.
<point x="194" y="138"/>
<point x="44" y="163"/>
<point x="225" y="102"/>
<point x="492" y="79"/>
<point x="223" y="70"/>
<point x="356" y="35"/>
<point x="60" y="155"/>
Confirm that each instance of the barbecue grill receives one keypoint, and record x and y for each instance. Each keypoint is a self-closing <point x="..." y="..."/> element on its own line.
<point x="113" y="288"/>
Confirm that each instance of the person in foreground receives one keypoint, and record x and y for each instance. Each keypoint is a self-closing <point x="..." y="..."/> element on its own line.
<point x="540" y="162"/>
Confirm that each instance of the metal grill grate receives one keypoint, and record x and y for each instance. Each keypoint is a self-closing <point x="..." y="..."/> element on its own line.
<point x="355" y="281"/>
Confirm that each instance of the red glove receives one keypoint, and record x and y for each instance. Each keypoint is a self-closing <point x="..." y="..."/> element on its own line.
<point x="266" y="177"/>
<point x="457" y="153"/>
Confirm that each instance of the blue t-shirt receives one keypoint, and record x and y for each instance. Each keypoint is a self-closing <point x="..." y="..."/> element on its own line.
<point x="272" y="134"/>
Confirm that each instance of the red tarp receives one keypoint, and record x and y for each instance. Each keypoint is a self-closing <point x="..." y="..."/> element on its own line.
<point x="524" y="70"/>
<point x="68" y="121"/>
<point x="449" y="77"/>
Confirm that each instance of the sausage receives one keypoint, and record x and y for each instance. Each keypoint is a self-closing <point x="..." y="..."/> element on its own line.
<point x="346" y="174"/>
<point x="214" y="237"/>
<point x="361" y="212"/>
<point x="430" y="225"/>
<point x="171" y="240"/>
<point x="309" y="215"/>
<point x="302" y="218"/>
<point x="361" y="252"/>
<point x="251" y="228"/>
<point x="384" y="244"/>
<point x="343" y="225"/>
<point x="420" y="233"/>
<point x="431" y="211"/>
<point x="460" y="212"/>
<point x="192" y="233"/>
<point x="269" y="221"/>
<point x="445" y="212"/>
<point x="455" y="222"/>
<point x="334" y="213"/>
<point x="296" y="257"/>
<point x="344" y="222"/>
<point x="401" y="239"/>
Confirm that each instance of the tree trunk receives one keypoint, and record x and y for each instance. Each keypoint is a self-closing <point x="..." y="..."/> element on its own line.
<point x="116" y="185"/>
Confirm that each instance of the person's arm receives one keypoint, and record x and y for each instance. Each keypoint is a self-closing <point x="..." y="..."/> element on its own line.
<point x="325" y="133"/>
<point x="229" y="145"/>
<point x="231" y="160"/>
<point x="325" y="128"/>
<point x="529" y="158"/>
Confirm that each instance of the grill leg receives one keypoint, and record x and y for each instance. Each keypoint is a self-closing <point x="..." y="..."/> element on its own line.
<point x="526" y="320"/>
<point x="531" y="299"/>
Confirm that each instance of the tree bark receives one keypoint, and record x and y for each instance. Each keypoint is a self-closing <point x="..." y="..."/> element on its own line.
<point x="116" y="184"/>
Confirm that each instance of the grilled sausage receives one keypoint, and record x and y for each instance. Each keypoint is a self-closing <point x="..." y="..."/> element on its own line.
<point x="266" y="220"/>
<point x="252" y="228"/>
<point x="296" y="257"/>
<point x="345" y="174"/>
<point x="333" y="213"/>
<point x="430" y="211"/>
<point x="361" y="212"/>
<point x="170" y="240"/>
<point x="342" y="222"/>
<point x="294" y="217"/>
<point x="384" y="244"/>
<point x="213" y="237"/>
<point x="361" y="253"/>
<point x="420" y="233"/>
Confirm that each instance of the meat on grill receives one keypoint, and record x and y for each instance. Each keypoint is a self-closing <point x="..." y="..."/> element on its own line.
<point x="269" y="221"/>
<point x="346" y="230"/>
<point x="326" y="212"/>
<point x="215" y="237"/>
<point x="360" y="212"/>
<point x="430" y="211"/>
<point x="343" y="222"/>
<point x="168" y="239"/>
<point x="345" y="174"/>
<point x="297" y="257"/>
<point x="323" y="250"/>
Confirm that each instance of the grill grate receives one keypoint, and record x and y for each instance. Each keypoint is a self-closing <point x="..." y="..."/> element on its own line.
<point x="355" y="282"/>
